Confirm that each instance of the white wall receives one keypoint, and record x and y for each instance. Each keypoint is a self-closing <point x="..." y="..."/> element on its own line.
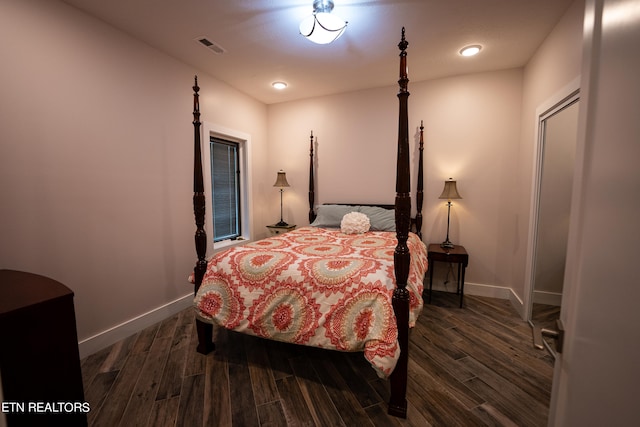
<point x="472" y="128"/>
<point x="96" y="160"/>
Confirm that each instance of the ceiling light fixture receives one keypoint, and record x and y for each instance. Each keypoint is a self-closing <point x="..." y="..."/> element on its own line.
<point x="322" y="27"/>
<point x="470" y="50"/>
<point x="279" y="85"/>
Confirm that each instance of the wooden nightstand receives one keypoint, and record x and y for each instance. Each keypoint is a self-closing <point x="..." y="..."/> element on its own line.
<point x="457" y="255"/>
<point x="40" y="361"/>
<point x="275" y="229"/>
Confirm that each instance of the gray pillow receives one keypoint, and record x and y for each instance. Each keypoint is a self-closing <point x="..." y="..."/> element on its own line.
<point x="331" y="215"/>
<point x="381" y="219"/>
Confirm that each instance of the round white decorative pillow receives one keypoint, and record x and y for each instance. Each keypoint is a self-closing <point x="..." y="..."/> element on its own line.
<point x="355" y="223"/>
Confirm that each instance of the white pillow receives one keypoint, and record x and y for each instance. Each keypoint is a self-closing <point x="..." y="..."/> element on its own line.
<point x="355" y="223"/>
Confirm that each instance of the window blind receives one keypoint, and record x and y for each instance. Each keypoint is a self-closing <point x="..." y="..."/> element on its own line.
<point x="225" y="188"/>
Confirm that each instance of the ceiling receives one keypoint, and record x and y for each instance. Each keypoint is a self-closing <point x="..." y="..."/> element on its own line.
<point x="262" y="42"/>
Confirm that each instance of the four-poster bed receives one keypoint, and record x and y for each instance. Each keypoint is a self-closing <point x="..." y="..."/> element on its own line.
<point x="322" y="285"/>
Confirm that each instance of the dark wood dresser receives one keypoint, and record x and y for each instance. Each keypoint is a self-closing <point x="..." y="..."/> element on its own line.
<point x="39" y="358"/>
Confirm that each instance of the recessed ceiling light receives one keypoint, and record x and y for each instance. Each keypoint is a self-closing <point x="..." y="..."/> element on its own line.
<point x="470" y="50"/>
<point x="279" y="85"/>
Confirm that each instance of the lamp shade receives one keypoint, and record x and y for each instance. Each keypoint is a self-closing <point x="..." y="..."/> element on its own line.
<point x="450" y="191"/>
<point x="281" y="180"/>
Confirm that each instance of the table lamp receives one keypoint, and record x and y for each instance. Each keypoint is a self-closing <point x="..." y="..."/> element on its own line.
<point x="450" y="192"/>
<point x="281" y="181"/>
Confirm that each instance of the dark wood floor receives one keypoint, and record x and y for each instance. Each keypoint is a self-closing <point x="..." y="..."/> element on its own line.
<point x="470" y="366"/>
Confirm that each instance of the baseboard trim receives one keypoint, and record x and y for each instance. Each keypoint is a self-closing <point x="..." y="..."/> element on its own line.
<point x="112" y="335"/>
<point x="518" y="304"/>
<point x="547" y="298"/>
<point x="476" y="289"/>
<point x="491" y="291"/>
<point x="501" y="292"/>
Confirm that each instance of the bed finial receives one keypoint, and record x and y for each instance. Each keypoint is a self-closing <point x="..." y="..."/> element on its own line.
<point x="196" y="120"/>
<point x="404" y="80"/>
<point x="403" y="44"/>
<point x="196" y="96"/>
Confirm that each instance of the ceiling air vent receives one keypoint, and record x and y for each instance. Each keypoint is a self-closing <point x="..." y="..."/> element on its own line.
<point x="216" y="48"/>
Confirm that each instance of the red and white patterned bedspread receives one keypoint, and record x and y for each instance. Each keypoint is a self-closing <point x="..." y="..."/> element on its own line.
<point x="317" y="287"/>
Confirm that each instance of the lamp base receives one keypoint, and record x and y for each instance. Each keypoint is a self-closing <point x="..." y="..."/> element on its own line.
<point x="447" y="244"/>
<point x="281" y="224"/>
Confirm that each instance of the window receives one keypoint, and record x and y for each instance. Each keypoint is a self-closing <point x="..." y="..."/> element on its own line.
<point x="228" y="218"/>
<point x="225" y="189"/>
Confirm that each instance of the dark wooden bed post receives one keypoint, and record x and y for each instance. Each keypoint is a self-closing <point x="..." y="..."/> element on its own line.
<point x="312" y="213"/>
<point x="402" y="258"/>
<point x="420" y="185"/>
<point x="205" y="330"/>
